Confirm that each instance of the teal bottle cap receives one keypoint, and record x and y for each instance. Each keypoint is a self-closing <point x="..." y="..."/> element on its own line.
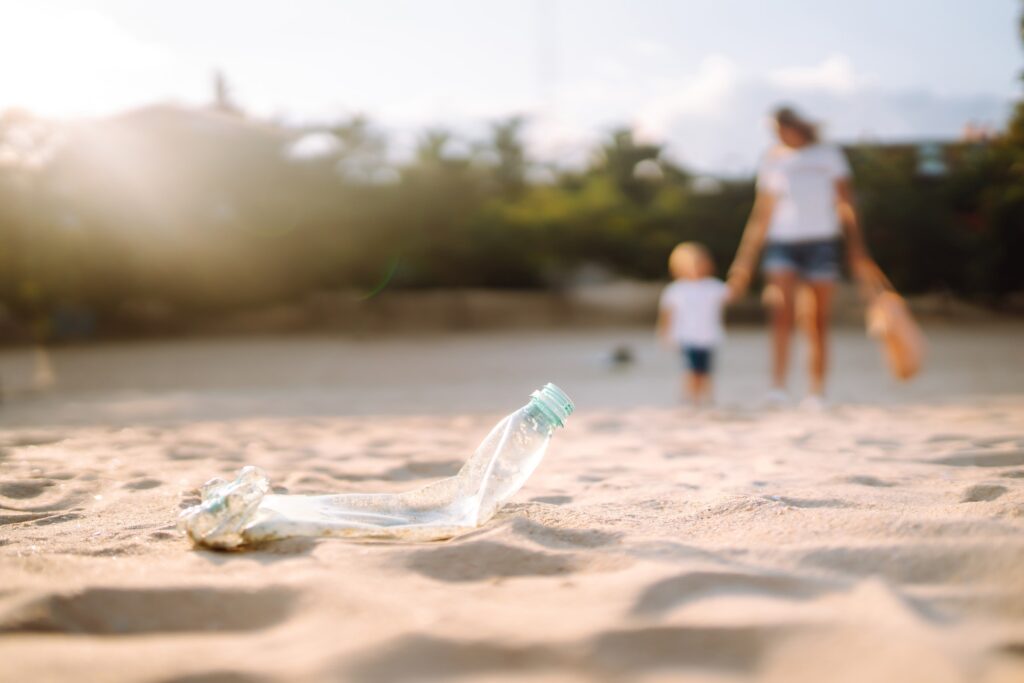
<point x="554" y="403"/>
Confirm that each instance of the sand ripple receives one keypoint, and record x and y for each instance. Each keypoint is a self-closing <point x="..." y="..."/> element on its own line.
<point x="653" y="544"/>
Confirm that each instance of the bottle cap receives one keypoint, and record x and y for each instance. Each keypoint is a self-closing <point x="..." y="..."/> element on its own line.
<point x="554" y="403"/>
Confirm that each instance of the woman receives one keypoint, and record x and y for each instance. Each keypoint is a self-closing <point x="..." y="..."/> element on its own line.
<point x="802" y="210"/>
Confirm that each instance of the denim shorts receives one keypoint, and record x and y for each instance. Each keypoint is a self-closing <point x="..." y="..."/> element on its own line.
<point x="813" y="260"/>
<point x="698" y="359"/>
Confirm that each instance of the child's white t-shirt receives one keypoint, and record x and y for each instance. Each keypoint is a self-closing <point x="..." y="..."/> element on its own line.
<point x="803" y="183"/>
<point x="695" y="311"/>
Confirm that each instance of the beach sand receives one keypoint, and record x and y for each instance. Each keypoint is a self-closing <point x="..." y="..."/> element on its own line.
<point x="881" y="539"/>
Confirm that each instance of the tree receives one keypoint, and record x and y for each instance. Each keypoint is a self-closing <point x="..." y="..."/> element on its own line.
<point x="432" y="145"/>
<point x="623" y="159"/>
<point x="363" y="151"/>
<point x="510" y="169"/>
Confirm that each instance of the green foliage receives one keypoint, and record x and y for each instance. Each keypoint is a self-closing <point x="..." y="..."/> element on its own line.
<point x="201" y="211"/>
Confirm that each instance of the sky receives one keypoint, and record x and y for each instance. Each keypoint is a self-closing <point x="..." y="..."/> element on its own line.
<point x="696" y="75"/>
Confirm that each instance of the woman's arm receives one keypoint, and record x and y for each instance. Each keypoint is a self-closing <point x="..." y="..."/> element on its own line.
<point x="861" y="264"/>
<point x="849" y="220"/>
<point x="742" y="269"/>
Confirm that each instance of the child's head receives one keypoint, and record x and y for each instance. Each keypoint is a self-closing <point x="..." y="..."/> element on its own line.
<point x="690" y="261"/>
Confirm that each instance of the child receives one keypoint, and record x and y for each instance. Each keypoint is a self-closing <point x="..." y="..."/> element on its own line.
<point x="690" y="315"/>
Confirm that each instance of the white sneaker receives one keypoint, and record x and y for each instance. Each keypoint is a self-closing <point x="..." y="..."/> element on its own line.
<point x="814" y="403"/>
<point x="776" y="398"/>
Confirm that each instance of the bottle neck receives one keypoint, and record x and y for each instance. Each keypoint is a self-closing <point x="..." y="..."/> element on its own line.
<point x="551" y="404"/>
<point x="546" y="421"/>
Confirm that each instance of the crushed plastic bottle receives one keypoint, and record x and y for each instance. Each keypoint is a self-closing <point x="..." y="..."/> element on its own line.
<point x="239" y="513"/>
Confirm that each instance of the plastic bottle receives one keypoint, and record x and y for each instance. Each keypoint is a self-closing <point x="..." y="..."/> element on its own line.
<point x="233" y="514"/>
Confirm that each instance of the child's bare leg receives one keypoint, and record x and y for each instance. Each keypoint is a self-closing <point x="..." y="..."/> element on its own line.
<point x="817" y="333"/>
<point x="705" y="387"/>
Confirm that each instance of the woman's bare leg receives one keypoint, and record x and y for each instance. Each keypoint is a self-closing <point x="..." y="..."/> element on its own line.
<point x="701" y="387"/>
<point x="780" y="297"/>
<point x="695" y="387"/>
<point x="817" y="333"/>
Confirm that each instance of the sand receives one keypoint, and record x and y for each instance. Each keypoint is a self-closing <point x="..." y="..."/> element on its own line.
<point x="882" y="539"/>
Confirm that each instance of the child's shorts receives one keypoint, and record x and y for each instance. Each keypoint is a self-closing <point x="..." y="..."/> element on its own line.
<point x="813" y="261"/>
<point x="698" y="359"/>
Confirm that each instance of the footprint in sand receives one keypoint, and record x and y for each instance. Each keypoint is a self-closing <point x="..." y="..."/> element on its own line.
<point x="142" y="484"/>
<point x="479" y="560"/>
<point x="738" y="649"/>
<point x="982" y="459"/>
<point x="1015" y="649"/>
<point x="556" y="537"/>
<point x="625" y="652"/>
<point x="866" y="480"/>
<point x="201" y="451"/>
<point x="980" y="493"/>
<point x="552" y="500"/>
<point x="39" y="496"/>
<point x="33" y="440"/>
<point x="884" y="444"/>
<point x="19" y="517"/>
<point x="944" y="438"/>
<point x="429" y="658"/>
<point x="28" y="488"/>
<point x="57" y="519"/>
<point x="667" y="594"/>
<point x="988" y="442"/>
<point x="109" y="611"/>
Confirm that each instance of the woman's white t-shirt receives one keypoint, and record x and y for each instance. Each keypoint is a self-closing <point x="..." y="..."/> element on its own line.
<point x="803" y="184"/>
<point x="695" y="311"/>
